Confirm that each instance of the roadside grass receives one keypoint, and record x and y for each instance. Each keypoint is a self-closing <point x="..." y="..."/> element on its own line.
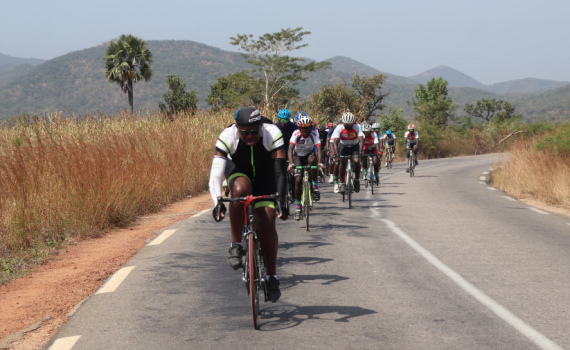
<point x="64" y="179"/>
<point x="538" y="168"/>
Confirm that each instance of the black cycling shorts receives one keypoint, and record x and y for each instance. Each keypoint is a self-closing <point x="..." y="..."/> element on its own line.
<point x="261" y="184"/>
<point x="348" y="150"/>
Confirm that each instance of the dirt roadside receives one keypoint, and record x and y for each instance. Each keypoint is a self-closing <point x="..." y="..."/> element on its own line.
<point x="34" y="307"/>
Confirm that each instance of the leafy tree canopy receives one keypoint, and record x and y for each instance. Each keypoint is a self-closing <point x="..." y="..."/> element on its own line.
<point x="432" y="104"/>
<point x="177" y="99"/>
<point x="273" y="67"/>
<point x="394" y="121"/>
<point x="492" y="110"/>
<point x="369" y="91"/>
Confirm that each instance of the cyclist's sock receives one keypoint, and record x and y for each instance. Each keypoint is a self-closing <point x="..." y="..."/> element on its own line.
<point x="268" y="276"/>
<point x="365" y="172"/>
<point x="314" y="184"/>
<point x="335" y="177"/>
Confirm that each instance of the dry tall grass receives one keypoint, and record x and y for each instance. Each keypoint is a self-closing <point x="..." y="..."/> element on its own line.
<point x="63" y="177"/>
<point x="530" y="172"/>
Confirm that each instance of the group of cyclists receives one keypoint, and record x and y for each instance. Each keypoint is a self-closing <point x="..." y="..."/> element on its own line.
<point x="253" y="156"/>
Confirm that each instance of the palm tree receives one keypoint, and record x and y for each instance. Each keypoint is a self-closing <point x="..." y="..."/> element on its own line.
<point x="128" y="60"/>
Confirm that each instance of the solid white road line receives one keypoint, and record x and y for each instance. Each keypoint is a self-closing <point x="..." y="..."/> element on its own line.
<point x="163" y="236"/>
<point x="509" y="198"/>
<point x="538" y="211"/>
<point x="492" y="188"/>
<point x="64" y="343"/>
<point x="529" y="332"/>
<point x="116" y="280"/>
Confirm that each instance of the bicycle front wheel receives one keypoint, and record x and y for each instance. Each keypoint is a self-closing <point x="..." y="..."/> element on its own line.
<point x="371" y="172"/>
<point x="348" y="187"/>
<point x="307" y="203"/>
<point x="253" y="279"/>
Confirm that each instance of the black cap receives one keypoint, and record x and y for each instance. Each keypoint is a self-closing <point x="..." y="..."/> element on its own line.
<point x="248" y="116"/>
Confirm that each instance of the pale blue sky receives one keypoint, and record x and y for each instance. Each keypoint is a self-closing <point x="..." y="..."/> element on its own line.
<point x="490" y="40"/>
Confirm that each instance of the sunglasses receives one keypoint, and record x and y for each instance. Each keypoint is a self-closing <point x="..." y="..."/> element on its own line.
<point x="249" y="132"/>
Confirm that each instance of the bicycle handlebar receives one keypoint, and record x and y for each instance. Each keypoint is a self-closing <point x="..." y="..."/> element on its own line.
<point x="274" y="197"/>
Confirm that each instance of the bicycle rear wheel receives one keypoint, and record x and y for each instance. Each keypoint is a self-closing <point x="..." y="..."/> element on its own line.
<point x="253" y="279"/>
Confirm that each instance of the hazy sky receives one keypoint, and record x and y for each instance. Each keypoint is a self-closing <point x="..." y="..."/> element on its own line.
<point x="489" y="40"/>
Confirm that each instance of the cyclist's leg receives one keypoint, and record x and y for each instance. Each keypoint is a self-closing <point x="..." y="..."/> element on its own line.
<point x="240" y="186"/>
<point x="298" y="161"/>
<point x="312" y="161"/>
<point x="265" y="223"/>
<point x="365" y="162"/>
<point x="376" y="159"/>
<point x="355" y="161"/>
<point x="343" y="151"/>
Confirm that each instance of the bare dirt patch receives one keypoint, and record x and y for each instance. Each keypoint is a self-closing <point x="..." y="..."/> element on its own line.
<point x="55" y="288"/>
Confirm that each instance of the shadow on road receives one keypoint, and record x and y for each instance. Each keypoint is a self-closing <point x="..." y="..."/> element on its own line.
<point x="336" y="227"/>
<point x="305" y="260"/>
<point x="292" y="245"/>
<point x="294" y="280"/>
<point x="284" y="317"/>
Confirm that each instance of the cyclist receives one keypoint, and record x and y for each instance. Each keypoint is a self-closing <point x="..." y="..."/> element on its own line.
<point x="333" y="169"/>
<point x="411" y="138"/>
<point x="257" y="167"/>
<point x="302" y="147"/>
<point x="389" y="139"/>
<point x="351" y="140"/>
<point x="285" y="125"/>
<point x="371" y="146"/>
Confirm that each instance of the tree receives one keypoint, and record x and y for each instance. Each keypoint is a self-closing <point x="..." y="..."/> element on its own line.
<point x="433" y="106"/>
<point x="235" y="90"/>
<point x="177" y="99"/>
<point x="127" y="61"/>
<point x="491" y="110"/>
<point x="369" y="92"/>
<point x="394" y="121"/>
<point x="277" y="70"/>
<point x="335" y="99"/>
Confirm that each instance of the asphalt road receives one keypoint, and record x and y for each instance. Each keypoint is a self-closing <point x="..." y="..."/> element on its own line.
<point x="439" y="261"/>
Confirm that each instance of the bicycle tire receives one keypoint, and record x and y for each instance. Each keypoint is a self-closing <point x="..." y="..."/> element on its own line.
<point x="348" y="189"/>
<point x="307" y="203"/>
<point x="371" y="171"/>
<point x="253" y="286"/>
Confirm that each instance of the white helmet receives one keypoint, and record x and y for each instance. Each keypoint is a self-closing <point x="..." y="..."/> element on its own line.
<point x="411" y="127"/>
<point x="376" y="126"/>
<point x="365" y="127"/>
<point x="304" y="121"/>
<point x="347" y="118"/>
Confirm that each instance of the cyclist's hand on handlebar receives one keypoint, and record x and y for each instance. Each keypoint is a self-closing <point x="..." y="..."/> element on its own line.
<point x="291" y="168"/>
<point x="219" y="212"/>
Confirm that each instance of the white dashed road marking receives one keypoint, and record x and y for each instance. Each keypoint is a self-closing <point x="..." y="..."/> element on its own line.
<point x="116" y="280"/>
<point x="509" y="198"/>
<point x="163" y="236"/>
<point x="482" y="183"/>
<point x="538" y="211"/>
<point x="485" y="172"/>
<point x="529" y="332"/>
<point x="492" y="188"/>
<point x="64" y="343"/>
<point x="202" y="212"/>
<point x="482" y="178"/>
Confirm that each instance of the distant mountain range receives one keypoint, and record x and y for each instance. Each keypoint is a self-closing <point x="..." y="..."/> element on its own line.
<point x="75" y="82"/>
<point x="456" y="78"/>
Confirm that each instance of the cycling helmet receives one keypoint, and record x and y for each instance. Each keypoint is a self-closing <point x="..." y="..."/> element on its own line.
<point x="304" y="121"/>
<point x="330" y="125"/>
<point x="236" y="113"/>
<point x="284" y="114"/>
<point x="299" y="115"/>
<point x="411" y="127"/>
<point x="376" y="126"/>
<point x="365" y="127"/>
<point x="348" y="118"/>
<point x="322" y="128"/>
<point x="388" y="132"/>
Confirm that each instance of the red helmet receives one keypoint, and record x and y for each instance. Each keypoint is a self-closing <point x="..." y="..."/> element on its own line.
<point x="330" y="125"/>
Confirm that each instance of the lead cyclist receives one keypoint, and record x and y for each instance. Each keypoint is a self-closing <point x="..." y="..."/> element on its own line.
<point x="257" y="167"/>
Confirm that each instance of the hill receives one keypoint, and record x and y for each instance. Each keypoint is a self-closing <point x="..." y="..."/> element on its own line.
<point x="76" y="82"/>
<point x="11" y="71"/>
<point x="348" y="65"/>
<point x="6" y="59"/>
<point x="525" y="86"/>
<point x="454" y="77"/>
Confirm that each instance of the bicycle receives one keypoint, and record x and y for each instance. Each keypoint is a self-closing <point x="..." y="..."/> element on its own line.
<point x="348" y="181"/>
<point x="306" y="197"/>
<point x="369" y="179"/>
<point x="253" y="262"/>
<point x="411" y="161"/>
<point x="389" y="156"/>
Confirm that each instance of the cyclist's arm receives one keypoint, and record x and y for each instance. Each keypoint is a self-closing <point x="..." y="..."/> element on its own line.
<point x="319" y="154"/>
<point x="291" y="152"/>
<point x="280" y="171"/>
<point x="216" y="175"/>
<point x="361" y="143"/>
